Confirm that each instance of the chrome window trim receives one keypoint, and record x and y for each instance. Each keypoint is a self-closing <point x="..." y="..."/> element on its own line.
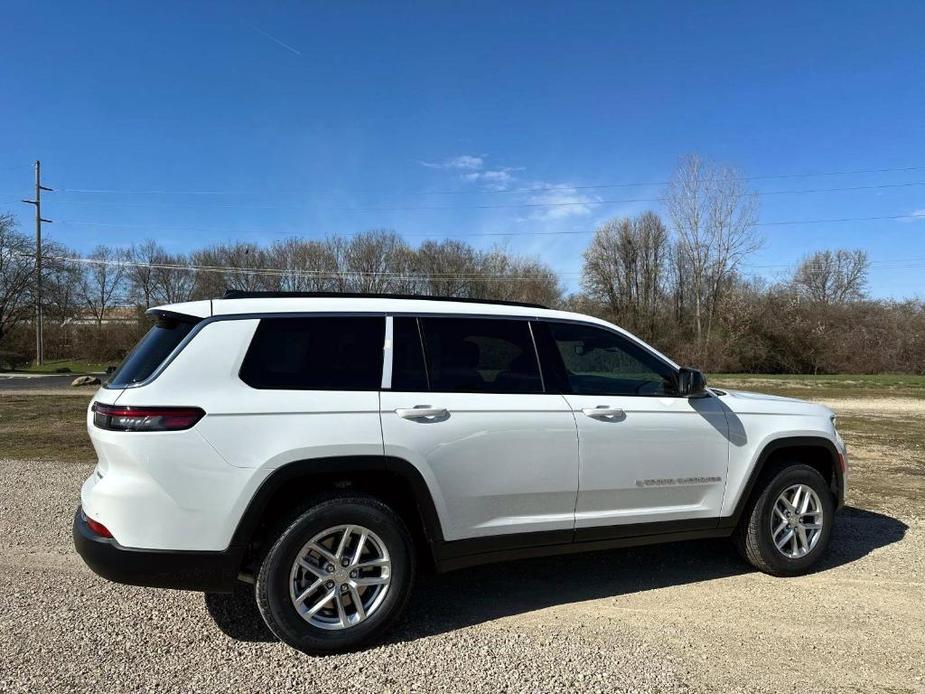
<point x="388" y="352"/>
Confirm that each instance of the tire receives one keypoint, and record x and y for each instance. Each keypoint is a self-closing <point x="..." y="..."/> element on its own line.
<point x="755" y="535"/>
<point x="339" y="625"/>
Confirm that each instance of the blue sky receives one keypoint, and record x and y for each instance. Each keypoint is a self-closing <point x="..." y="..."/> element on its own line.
<point x="264" y="120"/>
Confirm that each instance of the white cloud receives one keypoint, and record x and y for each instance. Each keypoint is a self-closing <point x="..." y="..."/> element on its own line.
<point x="493" y="179"/>
<point x="464" y="162"/>
<point x="564" y="202"/>
<point x="915" y="216"/>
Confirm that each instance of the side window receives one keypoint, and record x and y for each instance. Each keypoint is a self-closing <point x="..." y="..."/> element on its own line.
<point x="316" y="353"/>
<point x="600" y="362"/>
<point x="480" y="355"/>
<point x="408" y="371"/>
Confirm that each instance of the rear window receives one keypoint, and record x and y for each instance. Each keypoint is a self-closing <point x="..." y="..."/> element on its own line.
<point x="316" y="353"/>
<point x="150" y="353"/>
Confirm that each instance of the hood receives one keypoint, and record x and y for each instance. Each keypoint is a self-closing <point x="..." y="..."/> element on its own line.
<point x="744" y="402"/>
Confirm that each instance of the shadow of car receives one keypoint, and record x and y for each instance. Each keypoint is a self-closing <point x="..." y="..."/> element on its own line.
<point x="489" y="592"/>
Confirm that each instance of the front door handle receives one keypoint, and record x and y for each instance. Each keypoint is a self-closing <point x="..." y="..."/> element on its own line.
<point x="421" y="411"/>
<point x="604" y="411"/>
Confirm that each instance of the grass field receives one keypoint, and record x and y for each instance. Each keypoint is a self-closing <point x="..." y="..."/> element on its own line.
<point x="74" y="367"/>
<point x="45" y="425"/>
<point x="818" y="387"/>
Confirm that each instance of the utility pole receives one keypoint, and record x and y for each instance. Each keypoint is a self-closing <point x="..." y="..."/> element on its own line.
<point x="39" y="335"/>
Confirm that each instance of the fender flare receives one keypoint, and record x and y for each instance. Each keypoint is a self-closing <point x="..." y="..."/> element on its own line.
<point x="783" y="443"/>
<point x="285" y="474"/>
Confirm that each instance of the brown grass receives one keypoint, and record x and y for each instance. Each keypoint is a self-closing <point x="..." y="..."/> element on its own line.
<point x="46" y="425"/>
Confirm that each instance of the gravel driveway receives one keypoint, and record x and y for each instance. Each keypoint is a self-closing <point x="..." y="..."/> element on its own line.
<point x="683" y="617"/>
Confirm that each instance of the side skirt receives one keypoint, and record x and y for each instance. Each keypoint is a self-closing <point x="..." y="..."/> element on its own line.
<point x="460" y="554"/>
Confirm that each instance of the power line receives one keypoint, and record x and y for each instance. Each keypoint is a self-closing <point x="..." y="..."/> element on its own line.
<point x="287" y="272"/>
<point x="567" y="203"/>
<point x="523" y="189"/>
<point x="566" y="232"/>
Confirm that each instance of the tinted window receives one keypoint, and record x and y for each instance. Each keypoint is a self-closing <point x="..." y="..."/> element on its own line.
<point x="408" y="372"/>
<point x="480" y="355"/>
<point x="600" y="362"/>
<point x="150" y="353"/>
<point x="318" y="353"/>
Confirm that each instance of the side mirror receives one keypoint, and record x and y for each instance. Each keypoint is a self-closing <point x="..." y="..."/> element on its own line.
<point x="691" y="383"/>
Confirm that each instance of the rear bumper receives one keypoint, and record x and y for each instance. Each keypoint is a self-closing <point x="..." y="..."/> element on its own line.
<point x="214" y="572"/>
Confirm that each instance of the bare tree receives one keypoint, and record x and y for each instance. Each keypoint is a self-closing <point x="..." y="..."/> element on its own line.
<point x="446" y="268"/>
<point x="833" y="277"/>
<point x="308" y="266"/>
<point x="61" y="282"/>
<point x="625" y="269"/>
<point x="372" y="261"/>
<point x="527" y="279"/>
<point x="713" y="215"/>
<point x="103" y="281"/>
<point x="232" y="266"/>
<point x="17" y="272"/>
<point x="141" y="270"/>
<point x="173" y="280"/>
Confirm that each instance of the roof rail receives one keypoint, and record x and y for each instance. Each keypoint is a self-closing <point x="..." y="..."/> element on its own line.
<point x="242" y="294"/>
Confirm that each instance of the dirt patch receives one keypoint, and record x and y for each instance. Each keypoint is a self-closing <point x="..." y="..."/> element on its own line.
<point x="876" y="407"/>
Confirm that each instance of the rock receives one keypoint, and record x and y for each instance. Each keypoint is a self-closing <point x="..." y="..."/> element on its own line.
<point x="85" y="381"/>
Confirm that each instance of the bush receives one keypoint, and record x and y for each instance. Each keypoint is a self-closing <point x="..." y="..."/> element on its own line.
<point x="12" y="360"/>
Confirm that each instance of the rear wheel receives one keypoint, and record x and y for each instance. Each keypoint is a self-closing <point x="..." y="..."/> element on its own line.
<point x="786" y="528"/>
<point x="338" y="576"/>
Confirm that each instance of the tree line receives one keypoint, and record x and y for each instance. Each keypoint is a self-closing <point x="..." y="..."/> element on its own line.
<point x="678" y="280"/>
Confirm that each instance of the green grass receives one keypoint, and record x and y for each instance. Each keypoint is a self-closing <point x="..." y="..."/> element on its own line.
<point x="76" y="367"/>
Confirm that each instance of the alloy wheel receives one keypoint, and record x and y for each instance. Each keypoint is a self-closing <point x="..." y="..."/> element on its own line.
<point x="796" y="523"/>
<point x="340" y="577"/>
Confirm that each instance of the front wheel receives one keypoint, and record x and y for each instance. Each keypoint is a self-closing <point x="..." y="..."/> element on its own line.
<point x="338" y="576"/>
<point x="786" y="528"/>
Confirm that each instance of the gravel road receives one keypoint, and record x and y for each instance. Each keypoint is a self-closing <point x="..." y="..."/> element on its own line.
<point x="685" y="617"/>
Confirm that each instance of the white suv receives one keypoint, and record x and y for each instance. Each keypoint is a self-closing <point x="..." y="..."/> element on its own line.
<point x="323" y="447"/>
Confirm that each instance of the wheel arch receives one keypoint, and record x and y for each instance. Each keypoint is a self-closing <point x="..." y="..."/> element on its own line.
<point x="816" y="451"/>
<point x="392" y="479"/>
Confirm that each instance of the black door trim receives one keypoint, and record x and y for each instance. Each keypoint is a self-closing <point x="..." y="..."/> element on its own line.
<point x="458" y="554"/>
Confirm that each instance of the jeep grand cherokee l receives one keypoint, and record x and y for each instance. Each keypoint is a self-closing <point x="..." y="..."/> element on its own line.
<point x="324" y="447"/>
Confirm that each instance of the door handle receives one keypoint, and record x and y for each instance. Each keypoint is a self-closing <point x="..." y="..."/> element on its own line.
<point x="603" y="411"/>
<point x="421" y="411"/>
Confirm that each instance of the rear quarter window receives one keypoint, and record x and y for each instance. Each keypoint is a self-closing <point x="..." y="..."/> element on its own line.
<point x="151" y="352"/>
<point x="316" y="353"/>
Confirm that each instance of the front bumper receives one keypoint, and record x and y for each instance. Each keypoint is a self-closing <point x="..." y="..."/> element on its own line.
<point x="213" y="572"/>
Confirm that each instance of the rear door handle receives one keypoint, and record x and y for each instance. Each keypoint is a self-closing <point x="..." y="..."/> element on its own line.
<point x="603" y="411"/>
<point x="421" y="411"/>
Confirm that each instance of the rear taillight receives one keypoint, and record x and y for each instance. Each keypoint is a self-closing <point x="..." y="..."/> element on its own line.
<point x="131" y="418"/>
<point x="98" y="528"/>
